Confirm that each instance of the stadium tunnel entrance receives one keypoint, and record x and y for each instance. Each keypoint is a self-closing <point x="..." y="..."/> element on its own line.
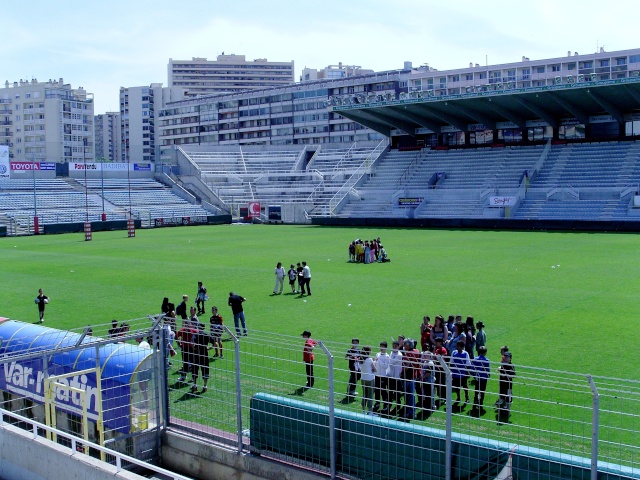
<point x="119" y="381"/>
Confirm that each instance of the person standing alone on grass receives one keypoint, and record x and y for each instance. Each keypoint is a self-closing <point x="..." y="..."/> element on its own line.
<point x="507" y="373"/>
<point x="235" y="302"/>
<point x="306" y="278"/>
<point x="308" y="357"/>
<point x="41" y="301"/>
<point x="280" y="273"/>
<point x="201" y="297"/>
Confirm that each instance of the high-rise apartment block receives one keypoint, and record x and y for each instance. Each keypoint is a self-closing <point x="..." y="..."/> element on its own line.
<point x="228" y="74"/>
<point x="108" y="137"/>
<point x="46" y="121"/>
<point x="138" y="109"/>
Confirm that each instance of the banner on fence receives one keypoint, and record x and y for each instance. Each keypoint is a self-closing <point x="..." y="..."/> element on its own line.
<point x="502" y="201"/>
<point x="410" y="201"/>
<point x="24" y="166"/>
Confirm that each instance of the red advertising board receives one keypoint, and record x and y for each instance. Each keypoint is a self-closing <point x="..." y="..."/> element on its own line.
<point x="22" y="166"/>
<point x="254" y="209"/>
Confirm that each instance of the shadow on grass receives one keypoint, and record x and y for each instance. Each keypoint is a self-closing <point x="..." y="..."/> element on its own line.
<point x="348" y="400"/>
<point x="299" y="391"/>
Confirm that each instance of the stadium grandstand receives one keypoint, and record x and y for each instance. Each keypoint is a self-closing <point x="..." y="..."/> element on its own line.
<point x="551" y="140"/>
<point x="67" y="200"/>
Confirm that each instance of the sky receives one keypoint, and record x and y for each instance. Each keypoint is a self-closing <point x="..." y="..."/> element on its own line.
<point x="104" y="45"/>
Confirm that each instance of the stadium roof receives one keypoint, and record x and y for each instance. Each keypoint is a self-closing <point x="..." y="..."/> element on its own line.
<point x="490" y="104"/>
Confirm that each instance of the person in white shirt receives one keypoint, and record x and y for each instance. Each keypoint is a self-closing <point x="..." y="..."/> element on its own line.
<point x="394" y="382"/>
<point x="380" y="382"/>
<point x="367" y="378"/>
<point x="280" y="273"/>
<point x="306" y="278"/>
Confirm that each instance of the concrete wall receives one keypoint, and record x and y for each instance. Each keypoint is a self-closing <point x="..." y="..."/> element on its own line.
<point x="23" y="457"/>
<point x="194" y="458"/>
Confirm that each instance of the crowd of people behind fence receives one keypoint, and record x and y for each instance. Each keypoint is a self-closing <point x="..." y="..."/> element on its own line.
<point x="192" y="338"/>
<point x="367" y="251"/>
<point x="399" y="383"/>
<point x="394" y="384"/>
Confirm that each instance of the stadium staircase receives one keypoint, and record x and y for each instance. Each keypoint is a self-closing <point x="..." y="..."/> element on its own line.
<point x="312" y="176"/>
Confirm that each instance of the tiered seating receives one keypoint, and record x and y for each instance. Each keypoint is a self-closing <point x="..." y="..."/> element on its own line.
<point x="47" y="185"/>
<point x="476" y="168"/>
<point x="56" y="202"/>
<point x="241" y="175"/>
<point x="573" y="210"/>
<point x="145" y="197"/>
<point x="466" y="170"/>
<point x="589" y="165"/>
<point x="377" y="192"/>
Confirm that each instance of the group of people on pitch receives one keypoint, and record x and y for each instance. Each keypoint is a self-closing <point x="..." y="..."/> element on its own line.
<point x="367" y="251"/>
<point x="398" y="383"/>
<point x="192" y="338"/>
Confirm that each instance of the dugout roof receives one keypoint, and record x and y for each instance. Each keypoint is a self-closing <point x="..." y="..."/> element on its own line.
<point x="490" y="104"/>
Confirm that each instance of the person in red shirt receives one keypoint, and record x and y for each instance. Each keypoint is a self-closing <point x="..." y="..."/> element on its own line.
<point x="184" y="337"/>
<point x="308" y="357"/>
<point x="425" y="333"/>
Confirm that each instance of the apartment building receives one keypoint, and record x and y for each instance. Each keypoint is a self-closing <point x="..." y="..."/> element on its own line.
<point x="46" y="121"/>
<point x="227" y="74"/>
<point x="310" y="112"/>
<point x="108" y="137"/>
<point x="139" y="107"/>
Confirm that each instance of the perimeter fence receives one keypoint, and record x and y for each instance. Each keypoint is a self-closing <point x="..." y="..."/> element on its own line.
<point x="559" y="425"/>
<point x="585" y="422"/>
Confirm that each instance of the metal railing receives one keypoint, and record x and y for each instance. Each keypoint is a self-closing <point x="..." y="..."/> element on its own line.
<point x="77" y="447"/>
<point x="551" y="410"/>
<point x="579" y="420"/>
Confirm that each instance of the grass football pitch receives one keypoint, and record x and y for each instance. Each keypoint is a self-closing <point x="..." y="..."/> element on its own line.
<point x="565" y="301"/>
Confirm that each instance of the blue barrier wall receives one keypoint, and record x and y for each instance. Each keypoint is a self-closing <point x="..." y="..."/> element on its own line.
<point x="374" y="447"/>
